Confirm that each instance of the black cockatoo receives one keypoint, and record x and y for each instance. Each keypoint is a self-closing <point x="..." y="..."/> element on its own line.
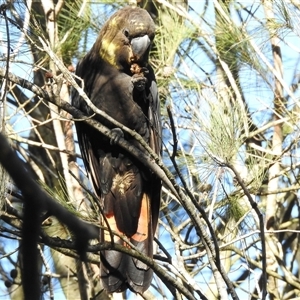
<point x="119" y="81"/>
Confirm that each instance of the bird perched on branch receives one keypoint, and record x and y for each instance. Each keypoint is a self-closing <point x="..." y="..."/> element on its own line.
<point x="119" y="81"/>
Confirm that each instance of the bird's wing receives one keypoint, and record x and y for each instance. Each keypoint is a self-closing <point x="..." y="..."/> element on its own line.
<point x="156" y="145"/>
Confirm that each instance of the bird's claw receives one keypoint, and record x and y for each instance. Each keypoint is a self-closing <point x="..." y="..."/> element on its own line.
<point x="139" y="81"/>
<point x="117" y="134"/>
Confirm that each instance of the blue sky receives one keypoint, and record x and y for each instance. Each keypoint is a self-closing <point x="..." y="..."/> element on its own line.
<point x="258" y="95"/>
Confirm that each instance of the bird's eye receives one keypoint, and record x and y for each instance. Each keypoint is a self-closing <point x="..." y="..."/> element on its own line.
<point x="126" y="32"/>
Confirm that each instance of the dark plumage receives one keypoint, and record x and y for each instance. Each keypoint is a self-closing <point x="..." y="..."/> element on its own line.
<point x="119" y="81"/>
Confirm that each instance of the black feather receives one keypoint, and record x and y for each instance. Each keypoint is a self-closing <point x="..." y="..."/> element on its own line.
<point x="128" y="192"/>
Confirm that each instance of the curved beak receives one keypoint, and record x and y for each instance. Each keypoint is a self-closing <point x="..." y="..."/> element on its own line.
<point x="139" y="46"/>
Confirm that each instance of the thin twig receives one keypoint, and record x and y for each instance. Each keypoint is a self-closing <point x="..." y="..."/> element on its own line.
<point x="213" y="251"/>
<point x="261" y="224"/>
<point x="157" y="168"/>
<point x="175" y="141"/>
<point x="4" y="87"/>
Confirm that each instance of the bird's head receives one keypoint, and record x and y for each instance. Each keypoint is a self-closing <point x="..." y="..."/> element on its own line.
<point x="125" y="38"/>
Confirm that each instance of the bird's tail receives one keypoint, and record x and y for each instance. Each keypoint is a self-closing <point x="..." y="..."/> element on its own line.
<point x="119" y="270"/>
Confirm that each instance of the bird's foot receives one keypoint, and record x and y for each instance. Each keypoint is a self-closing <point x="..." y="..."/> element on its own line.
<point x="139" y="81"/>
<point x="117" y="134"/>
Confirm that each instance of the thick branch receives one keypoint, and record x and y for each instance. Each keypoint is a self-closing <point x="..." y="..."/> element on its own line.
<point x="34" y="194"/>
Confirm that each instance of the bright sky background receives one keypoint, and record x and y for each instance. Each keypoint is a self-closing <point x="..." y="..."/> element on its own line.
<point x="258" y="98"/>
